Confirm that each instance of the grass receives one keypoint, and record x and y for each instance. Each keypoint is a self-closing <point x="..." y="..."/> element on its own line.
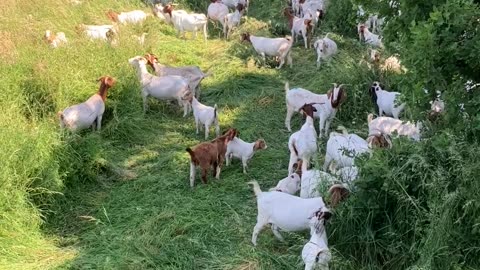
<point x="120" y="198"/>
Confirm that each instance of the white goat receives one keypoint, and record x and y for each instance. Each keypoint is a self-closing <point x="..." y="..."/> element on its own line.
<point x="388" y="125"/>
<point x="240" y="149"/>
<point x="234" y="3"/>
<point x="326" y="104"/>
<point x="299" y="26"/>
<point x="232" y="20"/>
<point x="311" y="180"/>
<point x="135" y="16"/>
<point x="387" y="102"/>
<point x="192" y="73"/>
<point x="204" y="115"/>
<point x="84" y="115"/>
<point x="164" y="88"/>
<point x="283" y="211"/>
<point x="217" y="11"/>
<point x="316" y="251"/>
<point x="163" y="12"/>
<point x="325" y="48"/>
<point x="104" y="32"/>
<point x="289" y="184"/>
<point x="303" y="143"/>
<point x="278" y="47"/>
<point x="343" y="148"/>
<point x="55" y="40"/>
<point x="368" y="37"/>
<point x="184" y="22"/>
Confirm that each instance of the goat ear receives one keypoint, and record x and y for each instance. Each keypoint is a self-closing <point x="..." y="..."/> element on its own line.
<point x="326" y="215"/>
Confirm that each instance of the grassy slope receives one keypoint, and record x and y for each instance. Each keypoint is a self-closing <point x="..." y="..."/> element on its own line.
<point x="154" y="220"/>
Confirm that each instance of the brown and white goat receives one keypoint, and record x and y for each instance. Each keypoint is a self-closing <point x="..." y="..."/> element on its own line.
<point x="209" y="154"/>
<point x="299" y="26"/>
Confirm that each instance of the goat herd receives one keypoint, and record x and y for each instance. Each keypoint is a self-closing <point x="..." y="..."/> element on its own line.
<point x="277" y="207"/>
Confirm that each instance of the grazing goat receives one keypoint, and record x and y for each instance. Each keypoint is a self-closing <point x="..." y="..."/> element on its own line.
<point x="387" y="102"/>
<point x="204" y="115"/>
<point x="278" y="47"/>
<point x="240" y="149"/>
<point x="55" y="40"/>
<point x="289" y="184"/>
<point x="325" y="48"/>
<point x="325" y="104"/>
<point x="135" y="16"/>
<point x="104" y="32"/>
<point x="316" y="252"/>
<point x="388" y="125"/>
<point x="217" y="12"/>
<point x="164" y="88"/>
<point x="368" y="37"/>
<point x="303" y="143"/>
<point x="84" y="115"/>
<point x="343" y="148"/>
<point x="209" y="154"/>
<point x="283" y="211"/>
<point x="192" y="73"/>
<point x="184" y="22"/>
<point x="232" y="20"/>
<point x="299" y="26"/>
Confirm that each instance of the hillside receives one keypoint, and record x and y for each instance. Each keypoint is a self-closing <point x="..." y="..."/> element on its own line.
<point x="120" y="198"/>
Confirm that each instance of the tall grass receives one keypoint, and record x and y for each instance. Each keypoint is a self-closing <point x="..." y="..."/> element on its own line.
<point x="120" y="198"/>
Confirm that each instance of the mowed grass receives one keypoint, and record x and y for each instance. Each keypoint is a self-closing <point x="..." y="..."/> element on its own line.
<point x="125" y="199"/>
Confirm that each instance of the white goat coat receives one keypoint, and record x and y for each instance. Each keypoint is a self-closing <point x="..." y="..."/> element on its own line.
<point x="386" y="103"/>
<point x="82" y="116"/>
<point x="343" y="148"/>
<point x="372" y="39"/>
<point x="98" y="31"/>
<point x="311" y="180"/>
<point x="190" y="23"/>
<point x="304" y="142"/>
<point x="289" y="184"/>
<point x="273" y="47"/>
<point x="325" y="49"/>
<point x="217" y="12"/>
<point x="205" y="115"/>
<point x="316" y="251"/>
<point x="135" y="16"/>
<point x="231" y="20"/>
<point x="388" y="125"/>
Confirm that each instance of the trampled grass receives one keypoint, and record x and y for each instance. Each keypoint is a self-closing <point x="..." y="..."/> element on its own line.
<point x="124" y="199"/>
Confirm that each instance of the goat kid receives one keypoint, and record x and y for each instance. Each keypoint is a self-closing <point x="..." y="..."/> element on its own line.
<point x="84" y="115"/>
<point x="278" y="47"/>
<point x="299" y="26"/>
<point x="192" y="73"/>
<point x="240" y="149"/>
<point x="316" y="252"/>
<point x="368" y="37"/>
<point x="325" y="48"/>
<point x="204" y="115"/>
<point x="283" y="211"/>
<point x="55" y="40"/>
<point x="386" y="101"/>
<point x="388" y="125"/>
<point x="232" y="20"/>
<point x="209" y="154"/>
<point x="163" y="88"/>
<point x="325" y="104"/>
<point x="135" y="16"/>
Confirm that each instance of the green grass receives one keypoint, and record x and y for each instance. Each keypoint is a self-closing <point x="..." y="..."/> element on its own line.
<point x="120" y="198"/>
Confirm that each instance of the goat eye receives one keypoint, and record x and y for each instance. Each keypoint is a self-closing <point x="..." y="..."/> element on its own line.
<point x="292" y="176"/>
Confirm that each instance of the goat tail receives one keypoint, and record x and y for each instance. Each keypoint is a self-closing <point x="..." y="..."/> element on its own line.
<point x="338" y="193"/>
<point x="287" y="87"/>
<point x="190" y="151"/>
<point x="215" y="115"/>
<point x="400" y="108"/>
<point x="326" y="36"/>
<point x="208" y="74"/>
<point x="256" y="187"/>
<point x="370" y="118"/>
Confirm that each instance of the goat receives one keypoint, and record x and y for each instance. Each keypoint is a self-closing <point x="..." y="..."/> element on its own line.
<point x="192" y="73"/>
<point x="164" y="88"/>
<point x="386" y="101"/>
<point x="104" y="32"/>
<point x="217" y="11"/>
<point x="55" y="40"/>
<point x="289" y="184"/>
<point x="437" y="107"/>
<point x="316" y="251"/>
<point x="278" y="47"/>
<point x="240" y="149"/>
<point x="343" y="148"/>
<point x="184" y="22"/>
<point x="282" y="211"/>
<point x="315" y="9"/>
<point x="325" y="104"/>
<point x="234" y="3"/>
<point x="205" y="115"/>
<point x="232" y="20"/>
<point x="209" y="154"/>
<point x="135" y="16"/>
<point x="325" y="49"/>
<point x="303" y="143"/>
<point x="368" y="37"/>
<point x="388" y="125"/>
<point x="299" y="26"/>
<point x="84" y="115"/>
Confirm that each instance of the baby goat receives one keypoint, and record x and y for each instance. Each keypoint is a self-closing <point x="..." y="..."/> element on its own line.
<point x="135" y="16"/>
<point x="84" y="115"/>
<point x="299" y="26"/>
<point x="282" y="211"/>
<point x="193" y="73"/>
<point x="55" y="40"/>
<point x="232" y="20"/>
<point x="325" y="49"/>
<point x="204" y="115"/>
<point x="386" y="101"/>
<point x="240" y="149"/>
<point x="316" y="251"/>
<point x="278" y="47"/>
<point x="209" y="154"/>
<point x="325" y="104"/>
<point x="368" y="37"/>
